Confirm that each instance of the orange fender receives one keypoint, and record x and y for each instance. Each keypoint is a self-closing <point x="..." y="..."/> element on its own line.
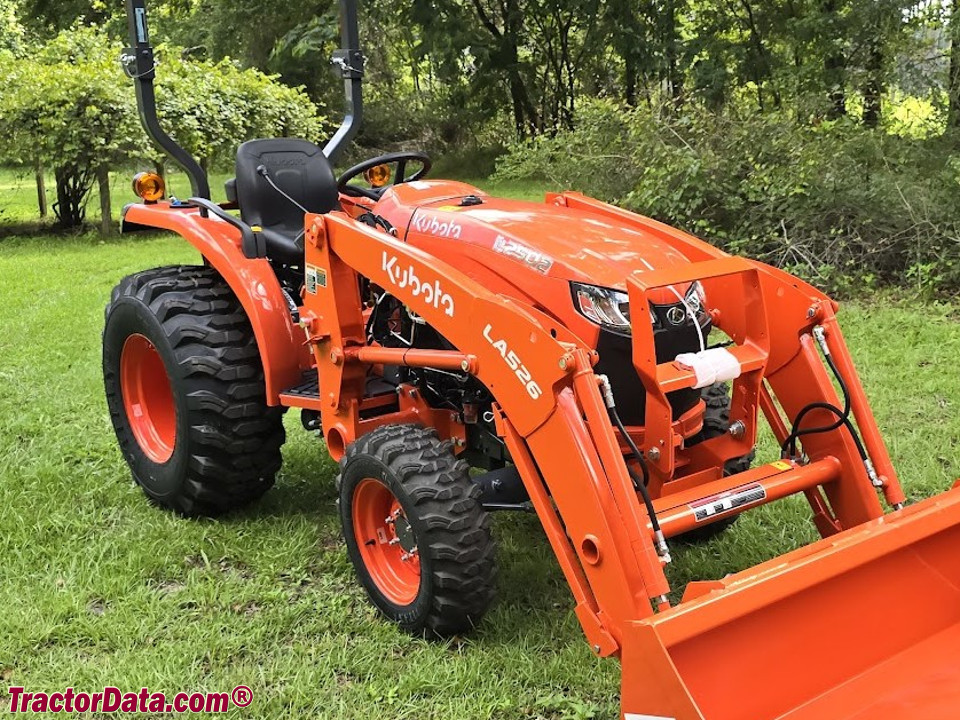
<point x="252" y="281"/>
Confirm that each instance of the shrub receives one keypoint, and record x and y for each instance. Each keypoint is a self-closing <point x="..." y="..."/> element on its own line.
<point x="834" y="203"/>
<point x="210" y="108"/>
<point x="68" y="106"/>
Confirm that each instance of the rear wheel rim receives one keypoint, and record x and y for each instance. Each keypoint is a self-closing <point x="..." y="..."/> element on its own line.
<point x="148" y="398"/>
<point x="386" y="541"/>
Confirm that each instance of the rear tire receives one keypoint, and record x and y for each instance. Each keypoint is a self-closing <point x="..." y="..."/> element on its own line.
<point x="432" y="569"/>
<point x="716" y="422"/>
<point x="185" y="388"/>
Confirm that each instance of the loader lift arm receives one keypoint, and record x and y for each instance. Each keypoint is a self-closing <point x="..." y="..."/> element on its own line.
<point x="551" y="412"/>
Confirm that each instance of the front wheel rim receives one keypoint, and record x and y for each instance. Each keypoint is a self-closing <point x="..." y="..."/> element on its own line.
<point x="387" y="543"/>
<point x="148" y="398"/>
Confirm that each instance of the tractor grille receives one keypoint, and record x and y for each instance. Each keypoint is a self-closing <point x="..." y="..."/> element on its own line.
<point x="616" y="362"/>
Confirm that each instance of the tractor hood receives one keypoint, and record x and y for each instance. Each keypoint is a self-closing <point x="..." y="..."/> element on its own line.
<point x="513" y="238"/>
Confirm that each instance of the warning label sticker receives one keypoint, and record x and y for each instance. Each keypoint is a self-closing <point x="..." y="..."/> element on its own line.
<point x="725" y="502"/>
<point x="315" y="277"/>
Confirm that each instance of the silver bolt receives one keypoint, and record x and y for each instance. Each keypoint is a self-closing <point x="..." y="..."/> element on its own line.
<point x="653" y="454"/>
<point x="737" y="429"/>
<point x="465" y="366"/>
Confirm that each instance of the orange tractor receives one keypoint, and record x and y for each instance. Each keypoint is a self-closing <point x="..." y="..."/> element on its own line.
<point x="462" y="354"/>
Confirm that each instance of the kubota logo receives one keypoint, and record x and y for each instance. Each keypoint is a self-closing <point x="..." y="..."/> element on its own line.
<point x="432" y="293"/>
<point x="515" y="364"/>
<point x="431" y="225"/>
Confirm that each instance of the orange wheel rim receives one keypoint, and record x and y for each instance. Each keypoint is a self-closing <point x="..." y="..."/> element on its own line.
<point x="386" y="540"/>
<point x="148" y="398"/>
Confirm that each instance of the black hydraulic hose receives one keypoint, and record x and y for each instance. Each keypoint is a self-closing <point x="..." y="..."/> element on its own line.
<point x="640" y="484"/>
<point x="846" y="407"/>
<point x="789" y="446"/>
<point x="634" y="450"/>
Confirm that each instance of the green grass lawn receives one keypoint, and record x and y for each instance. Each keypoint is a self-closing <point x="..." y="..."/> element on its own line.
<point x="99" y="588"/>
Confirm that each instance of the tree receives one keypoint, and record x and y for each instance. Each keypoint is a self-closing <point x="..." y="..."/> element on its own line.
<point x="68" y="106"/>
<point x="953" y="82"/>
<point x="11" y="30"/>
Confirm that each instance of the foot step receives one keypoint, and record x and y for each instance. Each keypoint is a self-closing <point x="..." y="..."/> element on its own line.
<point x="308" y="388"/>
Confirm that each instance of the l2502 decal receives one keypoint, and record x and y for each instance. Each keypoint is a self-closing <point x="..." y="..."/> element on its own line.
<point x="527" y="255"/>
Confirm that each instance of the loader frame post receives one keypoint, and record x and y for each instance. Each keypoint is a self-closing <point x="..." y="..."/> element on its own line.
<point x="602" y="535"/>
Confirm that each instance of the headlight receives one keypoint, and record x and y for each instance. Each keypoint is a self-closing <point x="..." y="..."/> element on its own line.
<point x="696" y="299"/>
<point x="610" y="309"/>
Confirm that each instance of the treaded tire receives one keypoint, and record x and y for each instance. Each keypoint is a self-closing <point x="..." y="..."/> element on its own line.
<point x="452" y="530"/>
<point x="227" y="443"/>
<point x="716" y="422"/>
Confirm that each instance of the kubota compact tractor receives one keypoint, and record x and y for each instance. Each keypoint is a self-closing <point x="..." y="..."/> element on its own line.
<point x="597" y="367"/>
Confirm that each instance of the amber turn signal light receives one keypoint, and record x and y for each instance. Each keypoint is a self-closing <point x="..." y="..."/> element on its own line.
<point x="149" y="187"/>
<point x="378" y="176"/>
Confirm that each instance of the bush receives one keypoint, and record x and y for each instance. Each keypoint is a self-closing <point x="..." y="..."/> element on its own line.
<point x="834" y="203"/>
<point x="210" y="108"/>
<point x="68" y="106"/>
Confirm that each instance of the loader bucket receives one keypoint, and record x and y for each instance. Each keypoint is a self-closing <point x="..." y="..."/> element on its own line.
<point x="862" y="626"/>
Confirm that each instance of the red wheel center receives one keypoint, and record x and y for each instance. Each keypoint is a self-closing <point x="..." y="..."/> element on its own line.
<point x="148" y="398"/>
<point x="386" y="541"/>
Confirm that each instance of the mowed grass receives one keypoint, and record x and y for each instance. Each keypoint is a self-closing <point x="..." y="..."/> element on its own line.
<point x="99" y="588"/>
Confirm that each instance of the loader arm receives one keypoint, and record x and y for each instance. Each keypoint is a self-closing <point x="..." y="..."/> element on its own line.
<point x="546" y="391"/>
<point x="552" y="415"/>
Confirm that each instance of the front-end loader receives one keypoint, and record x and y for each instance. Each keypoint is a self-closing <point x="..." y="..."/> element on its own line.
<point x="461" y="354"/>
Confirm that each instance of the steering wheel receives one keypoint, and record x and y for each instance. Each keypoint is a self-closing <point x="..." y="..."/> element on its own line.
<point x="400" y="159"/>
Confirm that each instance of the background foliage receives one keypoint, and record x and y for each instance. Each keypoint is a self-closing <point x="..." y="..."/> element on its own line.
<point x="817" y="134"/>
<point x="67" y="106"/>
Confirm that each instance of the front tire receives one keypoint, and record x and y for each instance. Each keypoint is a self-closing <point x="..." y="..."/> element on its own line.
<point x="416" y="532"/>
<point x="186" y="393"/>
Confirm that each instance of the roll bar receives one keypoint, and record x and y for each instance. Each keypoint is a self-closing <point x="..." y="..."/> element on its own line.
<point x="140" y="65"/>
<point x="349" y="59"/>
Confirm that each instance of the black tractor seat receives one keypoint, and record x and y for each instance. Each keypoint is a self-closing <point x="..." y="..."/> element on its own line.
<point x="304" y="180"/>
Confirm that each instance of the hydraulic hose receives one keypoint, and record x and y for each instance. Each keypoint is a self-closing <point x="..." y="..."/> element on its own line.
<point x="640" y="484"/>
<point x="789" y="447"/>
